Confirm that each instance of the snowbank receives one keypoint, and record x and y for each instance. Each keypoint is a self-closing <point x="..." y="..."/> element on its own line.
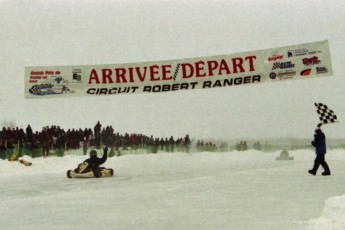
<point x="39" y="165"/>
<point x="333" y="215"/>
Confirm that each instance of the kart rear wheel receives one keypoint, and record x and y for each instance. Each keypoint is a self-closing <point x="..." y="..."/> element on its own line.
<point x="69" y="174"/>
<point x="98" y="174"/>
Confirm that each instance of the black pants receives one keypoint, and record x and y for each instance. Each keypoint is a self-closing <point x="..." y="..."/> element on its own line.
<point x="320" y="160"/>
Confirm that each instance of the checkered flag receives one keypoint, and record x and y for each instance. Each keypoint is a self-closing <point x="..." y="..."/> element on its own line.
<point x="326" y="115"/>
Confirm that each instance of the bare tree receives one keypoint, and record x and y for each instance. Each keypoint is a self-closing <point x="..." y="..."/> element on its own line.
<point x="8" y="123"/>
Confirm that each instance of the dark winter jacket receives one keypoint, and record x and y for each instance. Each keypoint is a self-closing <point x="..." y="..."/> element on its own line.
<point x="319" y="143"/>
<point x="94" y="162"/>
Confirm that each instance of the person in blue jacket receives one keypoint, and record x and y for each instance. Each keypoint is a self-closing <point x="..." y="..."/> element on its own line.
<point x="319" y="143"/>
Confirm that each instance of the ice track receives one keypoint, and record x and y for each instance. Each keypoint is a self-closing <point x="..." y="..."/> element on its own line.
<point x="235" y="190"/>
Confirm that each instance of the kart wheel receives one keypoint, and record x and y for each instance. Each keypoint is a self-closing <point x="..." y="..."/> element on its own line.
<point x="69" y="174"/>
<point x="98" y="174"/>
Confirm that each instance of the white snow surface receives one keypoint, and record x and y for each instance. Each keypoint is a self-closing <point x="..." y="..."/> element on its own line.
<point x="229" y="190"/>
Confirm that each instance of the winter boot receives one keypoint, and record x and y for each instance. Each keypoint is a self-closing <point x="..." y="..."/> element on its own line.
<point x="326" y="173"/>
<point x="312" y="172"/>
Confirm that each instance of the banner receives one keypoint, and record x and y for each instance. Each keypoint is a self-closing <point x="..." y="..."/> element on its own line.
<point x="304" y="61"/>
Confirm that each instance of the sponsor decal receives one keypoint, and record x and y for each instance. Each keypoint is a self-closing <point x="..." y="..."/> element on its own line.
<point x="321" y="69"/>
<point x="297" y="52"/>
<point x="311" y="61"/>
<point x="283" y="65"/>
<point x="275" y="57"/>
<point x="281" y="75"/>
<point x="273" y="75"/>
<point x="47" y="89"/>
<point x="286" y="74"/>
<point x="76" y="75"/>
<point x="301" y="52"/>
<point x="306" y="72"/>
<point x="47" y="83"/>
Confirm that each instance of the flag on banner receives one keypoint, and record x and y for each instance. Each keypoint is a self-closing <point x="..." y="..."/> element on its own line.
<point x="326" y="115"/>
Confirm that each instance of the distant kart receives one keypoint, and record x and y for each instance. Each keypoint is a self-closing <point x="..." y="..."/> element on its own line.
<point x="284" y="155"/>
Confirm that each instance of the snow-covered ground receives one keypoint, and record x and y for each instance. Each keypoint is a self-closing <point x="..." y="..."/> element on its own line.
<point x="231" y="190"/>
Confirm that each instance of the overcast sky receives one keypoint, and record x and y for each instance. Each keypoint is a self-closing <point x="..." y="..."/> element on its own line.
<point x="54" y="33"/>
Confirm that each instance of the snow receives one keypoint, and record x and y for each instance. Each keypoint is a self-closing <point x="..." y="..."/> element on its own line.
<point x="333" y="215"/>
<point x="231" y="190"/>
<point x="228" y="190"/>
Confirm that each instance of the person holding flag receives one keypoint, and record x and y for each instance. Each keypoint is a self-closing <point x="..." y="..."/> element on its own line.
<point x="319" y="143"/>
<point x="326" y="116"/>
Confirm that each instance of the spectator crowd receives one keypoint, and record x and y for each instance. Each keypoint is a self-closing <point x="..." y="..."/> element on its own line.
<point x="57" y="140"/>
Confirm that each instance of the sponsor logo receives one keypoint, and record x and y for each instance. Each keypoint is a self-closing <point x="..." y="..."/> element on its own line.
<point x="286" y="74"/>
<point x="301" y="52"/>
<point x="311" y="61"/>
<point x="275" y="57"/>
<point x="43" y="89"/>
<point x="306" y="72"/>
<point x="273" y="75"/>
<point x="76" y="75"/>
<point x="283" y="65"/>
<point x="321" y="70"/>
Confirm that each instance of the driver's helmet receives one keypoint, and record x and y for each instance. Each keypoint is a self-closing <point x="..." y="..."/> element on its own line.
<point x="93" y="153"/>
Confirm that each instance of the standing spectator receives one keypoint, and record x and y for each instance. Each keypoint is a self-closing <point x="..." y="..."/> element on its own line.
<point x="133" y="141"/>
<point x="245" y="146"/>
<point x="97" y="131"/>
<point x="85" y="145"/>
<point x="257" y="146"/>
<point x="156" y="146"/>
<point x="45" y="142"/>
<point x="161" y="143"/>
<point x="187" y="143"/>
<point x="9" y="138"/>
<point x="172" y="144"/>
<point x="166" y="144"/>
<point x="29" y="134"/>
<point x="3" y="148"/>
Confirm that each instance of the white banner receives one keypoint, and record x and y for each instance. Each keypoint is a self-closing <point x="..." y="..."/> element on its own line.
<point x="304" y="61"/>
